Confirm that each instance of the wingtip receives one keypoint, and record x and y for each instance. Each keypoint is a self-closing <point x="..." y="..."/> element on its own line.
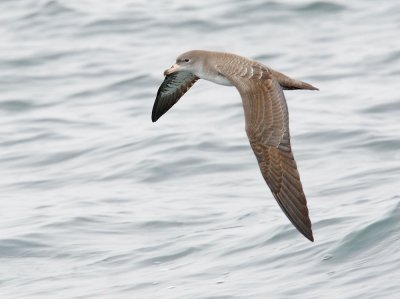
<point x="308" y="235"/>
<point x="154" y="115"/>
<point x="311" y="238"/>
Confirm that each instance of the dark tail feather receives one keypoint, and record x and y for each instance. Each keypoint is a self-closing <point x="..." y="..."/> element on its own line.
<point x="289" y="83"/>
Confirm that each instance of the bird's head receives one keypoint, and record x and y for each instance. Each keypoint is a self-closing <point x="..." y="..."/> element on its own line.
<point x="186" y="62"/>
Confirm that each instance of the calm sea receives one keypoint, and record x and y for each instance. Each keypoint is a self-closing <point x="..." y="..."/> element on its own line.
<point x="96" y="201"/>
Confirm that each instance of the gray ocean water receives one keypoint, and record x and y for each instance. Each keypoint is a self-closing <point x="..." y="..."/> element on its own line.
<point x="96" y="201"/>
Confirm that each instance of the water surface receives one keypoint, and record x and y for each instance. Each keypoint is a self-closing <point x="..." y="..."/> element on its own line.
<point x="99" y="202"/>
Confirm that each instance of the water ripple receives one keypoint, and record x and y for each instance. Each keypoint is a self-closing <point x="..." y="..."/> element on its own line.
<point x="97" y="201"/>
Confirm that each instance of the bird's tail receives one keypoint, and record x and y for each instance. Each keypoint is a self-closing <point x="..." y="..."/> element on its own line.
<point x="288" y="83"/>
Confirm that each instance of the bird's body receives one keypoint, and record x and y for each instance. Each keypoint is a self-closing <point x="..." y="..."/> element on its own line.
<point x="266" y="118"/>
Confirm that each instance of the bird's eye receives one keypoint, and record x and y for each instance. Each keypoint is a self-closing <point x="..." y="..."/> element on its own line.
<point x="186" y="60"/>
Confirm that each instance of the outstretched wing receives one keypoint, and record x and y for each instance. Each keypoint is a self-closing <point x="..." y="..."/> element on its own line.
<point x="279" y="170"/>
<point x="267" y="127"/>
<point x="170" y="91"/>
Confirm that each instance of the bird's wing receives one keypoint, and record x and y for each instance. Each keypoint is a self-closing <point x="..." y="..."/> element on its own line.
<point x="170" y="91"/>
<point x="267" y="127"/>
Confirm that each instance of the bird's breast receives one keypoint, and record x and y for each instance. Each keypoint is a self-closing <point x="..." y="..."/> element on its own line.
<point x="219" y="79"/>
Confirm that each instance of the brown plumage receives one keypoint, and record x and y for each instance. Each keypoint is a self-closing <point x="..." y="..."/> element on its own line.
<point x="266" y="118"/>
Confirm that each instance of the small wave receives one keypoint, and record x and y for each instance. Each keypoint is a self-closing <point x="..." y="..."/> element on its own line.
<point x="22" y="246"/>
<point x="322" y="6"/>
<point x="383" y="108"/>
<point x="49" y="8"/>
<point x="16" y="106"/>
<point x="361" y="241"/>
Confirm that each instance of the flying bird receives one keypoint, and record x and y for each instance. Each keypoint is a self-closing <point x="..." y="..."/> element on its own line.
<point x="266" y="117"/>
